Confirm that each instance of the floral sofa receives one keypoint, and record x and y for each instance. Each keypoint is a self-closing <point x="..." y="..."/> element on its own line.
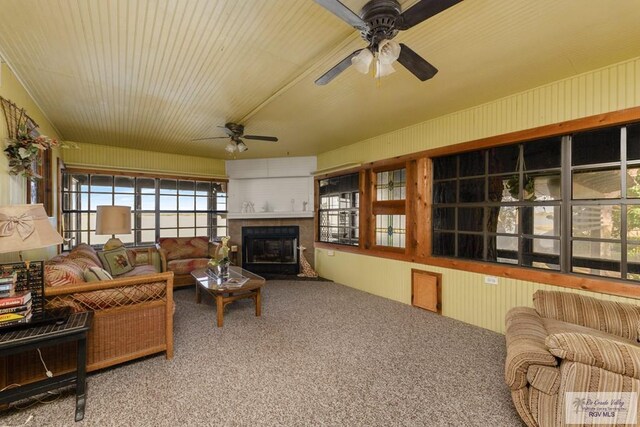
<point x="133" y="315"/>
<point x="569" y="343"/>
<point x="182" y="255"/>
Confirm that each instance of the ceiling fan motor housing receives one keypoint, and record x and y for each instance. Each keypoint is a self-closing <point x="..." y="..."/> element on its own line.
<point x="381" y="16"/>
<point x="237" y="129"/>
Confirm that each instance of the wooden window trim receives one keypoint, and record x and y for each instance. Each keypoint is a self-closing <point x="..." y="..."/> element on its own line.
<point x="143" y="174"/>
<point x="390" y="207"/>
<point x="420" y="249"/>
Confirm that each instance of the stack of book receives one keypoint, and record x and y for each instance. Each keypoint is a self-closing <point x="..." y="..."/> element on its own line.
<point x="7" y="284"/>
<point x="15" y="307"/>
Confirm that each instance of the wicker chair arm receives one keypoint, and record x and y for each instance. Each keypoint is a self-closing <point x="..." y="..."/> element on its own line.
<point x="107" y="284"/>
<point x="115" y="293"/>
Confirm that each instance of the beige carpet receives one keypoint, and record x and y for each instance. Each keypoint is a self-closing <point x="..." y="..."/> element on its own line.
<point x="321" y="354"/>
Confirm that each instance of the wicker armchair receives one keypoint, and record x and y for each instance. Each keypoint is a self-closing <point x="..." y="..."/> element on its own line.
<point x="133" y="318"/>
<point x="182" y="255"/>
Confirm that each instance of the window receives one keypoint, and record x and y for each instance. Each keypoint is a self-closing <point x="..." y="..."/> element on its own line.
<point x="160" y="207"/>
<point x="389" y="208"/>
<point x="508" y="204"/>
<point x="339" y="210"/>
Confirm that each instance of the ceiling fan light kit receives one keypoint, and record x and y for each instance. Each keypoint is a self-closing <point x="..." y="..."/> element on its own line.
<point x="379" y="22"/>
<point x="235" y="132"/>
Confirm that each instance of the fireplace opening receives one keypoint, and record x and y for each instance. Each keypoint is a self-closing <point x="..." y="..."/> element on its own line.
<point x="271" y="249"/>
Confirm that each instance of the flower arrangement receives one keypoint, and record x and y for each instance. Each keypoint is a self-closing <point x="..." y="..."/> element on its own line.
<point x="23" y="152"/>
<point x="221" y="261"/>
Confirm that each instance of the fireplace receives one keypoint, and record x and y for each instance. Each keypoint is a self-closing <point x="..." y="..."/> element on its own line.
<point x="270" y="249"/>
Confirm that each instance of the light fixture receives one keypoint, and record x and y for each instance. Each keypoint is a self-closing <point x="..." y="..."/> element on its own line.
<point x="387" y="53"/>
<point x="25" y="227"/>
<point x="362" y="61"/>
<point x="231" y="147"/>
<point x="242" y="147"/>
<point x="113" y="220"/>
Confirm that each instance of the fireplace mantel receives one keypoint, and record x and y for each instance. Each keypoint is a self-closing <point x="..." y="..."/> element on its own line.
<point x="268" y="215"/>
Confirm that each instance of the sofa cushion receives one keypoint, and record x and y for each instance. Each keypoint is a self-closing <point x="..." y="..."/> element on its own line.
<point x="63" y="273"/>
<point x="95" y="274"/>
<point x="588" y="349"/>
<point x="607" y="316"/>
<point x="82" y="262"/>
<point x="115" y="261"/>
<point x="86" y="251"/>
<point x="186" y="266"/>
<point x="140" y="270"/>
<point x="185" y="247"/>
<point x="554" y="326"/>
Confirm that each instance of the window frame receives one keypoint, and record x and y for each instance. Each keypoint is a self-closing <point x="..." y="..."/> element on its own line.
<point x="419" y="251"/>
<point x="76" y="235"/>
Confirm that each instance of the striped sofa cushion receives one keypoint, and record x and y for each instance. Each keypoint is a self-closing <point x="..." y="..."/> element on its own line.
<point x="621" y="358"/>
<point x="607" y="316"/>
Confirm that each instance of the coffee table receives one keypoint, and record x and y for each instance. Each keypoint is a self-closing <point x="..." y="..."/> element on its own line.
<point x="225" y="292"/>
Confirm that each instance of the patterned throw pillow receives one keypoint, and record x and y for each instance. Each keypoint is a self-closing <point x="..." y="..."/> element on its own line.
<point x="115" y="261"/>
<point x="95" y="274"/>
<point x="63" y="273"/>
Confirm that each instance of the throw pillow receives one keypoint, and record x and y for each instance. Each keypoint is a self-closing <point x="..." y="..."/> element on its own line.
<point x="95" y="274"/>
<point x="115" y="261"/>
<point x="63" y="273"/>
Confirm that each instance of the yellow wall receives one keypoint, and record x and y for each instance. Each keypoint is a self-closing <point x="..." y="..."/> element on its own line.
<point x="130" y="159"/>
<point x="465" y="296"/>
<point x="13" y="189"/>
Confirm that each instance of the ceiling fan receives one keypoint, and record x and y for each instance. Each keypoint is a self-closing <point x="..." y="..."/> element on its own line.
<point x="379" y="22"/>
<point x="235" y="132"/>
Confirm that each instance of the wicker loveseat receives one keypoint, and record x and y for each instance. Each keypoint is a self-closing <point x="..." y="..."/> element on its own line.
<point x="133" y="317"/>
<point x="569" y="343"/>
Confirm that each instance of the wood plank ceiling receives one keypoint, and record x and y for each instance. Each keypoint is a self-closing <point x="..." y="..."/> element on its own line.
<point x="155" y="74"/>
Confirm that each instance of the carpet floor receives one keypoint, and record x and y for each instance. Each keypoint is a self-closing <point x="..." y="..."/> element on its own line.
<point x="321" y="354"/>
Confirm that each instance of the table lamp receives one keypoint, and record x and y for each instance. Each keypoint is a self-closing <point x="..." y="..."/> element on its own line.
<point x="25" y="227"/>
<point x="113" y="220"/>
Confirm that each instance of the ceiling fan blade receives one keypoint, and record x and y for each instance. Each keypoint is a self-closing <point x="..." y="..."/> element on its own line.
<point x="227" y="130"/>
<point x="344" y="13"/>
<point x="210" y="137"/>
<point x="261" y="138"/>
<point x="422" y="10"/>
<point x="416" y="64"/>
<point x="337" y="69"/>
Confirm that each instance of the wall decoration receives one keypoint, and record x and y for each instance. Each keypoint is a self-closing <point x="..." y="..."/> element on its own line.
<point x="29" y="153"/>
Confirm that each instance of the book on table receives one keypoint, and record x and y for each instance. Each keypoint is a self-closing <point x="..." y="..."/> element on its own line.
<point x="22" y="308"/>
<point x="10" y="319"/>
<point x="8" y="284"/>
<point x="20" y="298"/>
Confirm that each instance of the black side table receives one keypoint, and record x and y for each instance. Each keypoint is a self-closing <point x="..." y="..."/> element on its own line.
<point x="75" y="329"/>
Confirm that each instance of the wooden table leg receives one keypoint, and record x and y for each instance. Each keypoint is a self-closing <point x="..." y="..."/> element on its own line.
<point x="198" y="297"/>
<point x="220" y="309"/>
<point x="258" y="300"/>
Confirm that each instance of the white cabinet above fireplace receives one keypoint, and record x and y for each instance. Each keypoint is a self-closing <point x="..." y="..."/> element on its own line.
<point x="272" y="188"/>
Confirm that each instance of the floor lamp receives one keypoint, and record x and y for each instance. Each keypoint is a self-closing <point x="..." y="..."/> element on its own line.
<point x="113" y="220"/>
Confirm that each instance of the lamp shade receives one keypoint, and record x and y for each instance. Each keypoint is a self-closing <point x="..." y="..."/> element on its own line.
<point x="113" y="220"/>
<point x="24" y="227"/>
